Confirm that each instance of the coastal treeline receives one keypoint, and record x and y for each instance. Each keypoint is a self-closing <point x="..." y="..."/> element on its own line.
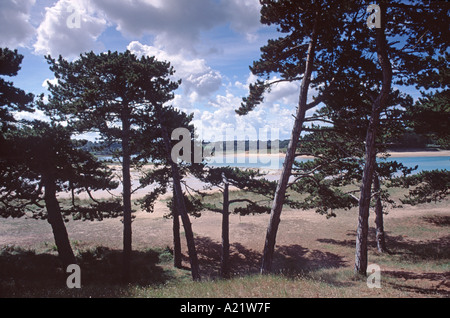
<point x="408" y="140"/>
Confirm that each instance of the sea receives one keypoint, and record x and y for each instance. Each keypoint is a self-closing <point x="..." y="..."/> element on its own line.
<point x="276" y="163"/>
<point x="268" y="162"/>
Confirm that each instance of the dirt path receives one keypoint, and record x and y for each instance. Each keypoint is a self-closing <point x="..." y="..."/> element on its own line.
<point x="154" y="230"/>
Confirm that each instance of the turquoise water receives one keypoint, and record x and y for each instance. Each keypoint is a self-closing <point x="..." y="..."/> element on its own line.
<point x="423" y="163"/>
<point x="266" y="162"/>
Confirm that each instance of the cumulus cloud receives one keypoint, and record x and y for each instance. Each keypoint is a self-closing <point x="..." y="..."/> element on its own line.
<point x="278" y="108"/>
<point x="244" y="16"/>
<point x="198" y="79"/>
<point x="69" y="28"/>
<point x="15" y="27"/>
<point x="36" y="115"/>
<point x="215" y="122"/>
<point x="177" y="25"/>
<point x="220" y="121"/>
<point x="52" y="81"/>
<point x="285" y="92"/>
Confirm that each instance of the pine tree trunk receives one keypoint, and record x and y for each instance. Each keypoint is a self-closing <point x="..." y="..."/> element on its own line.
<point x="370" y="156"/>
<point x="364" y="201"/>
<point x="56" y="221"/>
<point x="177" y="256"/>
<point x="186" y="224"/>
<point x="380" y="237"/>
<point x="225" y="256"/>
<point x="181" y="207"/>
<point x="280" y="192"/>
<point x="126" y="195"/>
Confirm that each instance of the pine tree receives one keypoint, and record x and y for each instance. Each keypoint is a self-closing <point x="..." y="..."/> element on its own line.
<point x="42" y="161"/>
<point x="318" y="38"/>
<point x="116" y="95"/>
<point x="156" y="136"/>
<point x="420" y="23"/>
<point x="246" y="181"/>
<point x="38" y="159"/>
<point x="344" y="45"/>
<point x="11" y="98"/>
<point x="125" y="99"/>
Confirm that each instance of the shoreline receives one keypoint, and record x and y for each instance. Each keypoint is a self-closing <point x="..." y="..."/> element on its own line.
<point x="393" y="154"/>
<point x="271" y="174"/>
<point x="420" y="153"/>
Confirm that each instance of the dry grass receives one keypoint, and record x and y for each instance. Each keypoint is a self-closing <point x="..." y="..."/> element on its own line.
<point x="314" y="257"/>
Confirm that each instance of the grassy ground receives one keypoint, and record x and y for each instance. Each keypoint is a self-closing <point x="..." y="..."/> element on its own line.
<point x="314" y="257"/>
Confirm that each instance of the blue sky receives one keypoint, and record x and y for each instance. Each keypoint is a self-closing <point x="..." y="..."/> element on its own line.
<point x="211" y="44"/>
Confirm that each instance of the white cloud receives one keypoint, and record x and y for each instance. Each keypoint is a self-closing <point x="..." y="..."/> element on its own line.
<point x="69" y="28"/>
<point x="204" y="84"/>
<point x="244" y="17"/>
<point x="15" y="27"/>
<point x="245" y="86"/>
<point x="221" y="119"/>
<point x="276" y="111"/>
<point x="285" y="92"/>
<point x="177" y="25"/>
<point x="52" y="81"/>
<point x="36" y="115"/>
<point x="198" y="79"/>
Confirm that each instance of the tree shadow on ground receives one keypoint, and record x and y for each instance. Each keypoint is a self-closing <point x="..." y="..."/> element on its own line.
<point x="406" y="251"/>
<point x="351" y="243"/>
<point x="24" y="272"/>
<point x="296" y="258"/>
<point x="242" y="260"/>
<point x="436" y="283"/>
<point x="288" y="260"/>
<point x="438" y="220"/>
<point x="414" y="251"/>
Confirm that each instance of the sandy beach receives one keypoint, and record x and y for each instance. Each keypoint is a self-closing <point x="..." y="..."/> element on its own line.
<point x="437" y="153"/>
<point x="270" y="174"/>
<point x="394" y="154"/>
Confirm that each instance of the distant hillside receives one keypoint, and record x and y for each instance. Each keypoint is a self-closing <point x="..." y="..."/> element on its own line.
<point x="101" y="148"/>
<point x="104" y="149"/>
<point x="406" y="142"/>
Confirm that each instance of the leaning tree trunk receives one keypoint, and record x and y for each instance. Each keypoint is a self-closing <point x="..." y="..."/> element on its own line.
<point x="177" y="256"/>
<point x="225" y="256"/>
<point x="180" y="205"/>
<point x="56" y="221"/>
<point x="126" y="195"/>
<point x="280" y="192"/>
<point x="370" y="153"/>
<point x="380" y="237"/>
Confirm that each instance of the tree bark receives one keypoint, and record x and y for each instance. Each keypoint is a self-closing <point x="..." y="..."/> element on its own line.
<point x="364" y="201"/>
<point x="56" y="221"/>
<point x="225" y="256"/>
<point x="280" y="192"/>
<point x="126" y="195"/>
<point x="380" y="237"/>
<point x="177" y="259"/>
<point x="370" y="153"/>
<point x="181" y="207"/>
